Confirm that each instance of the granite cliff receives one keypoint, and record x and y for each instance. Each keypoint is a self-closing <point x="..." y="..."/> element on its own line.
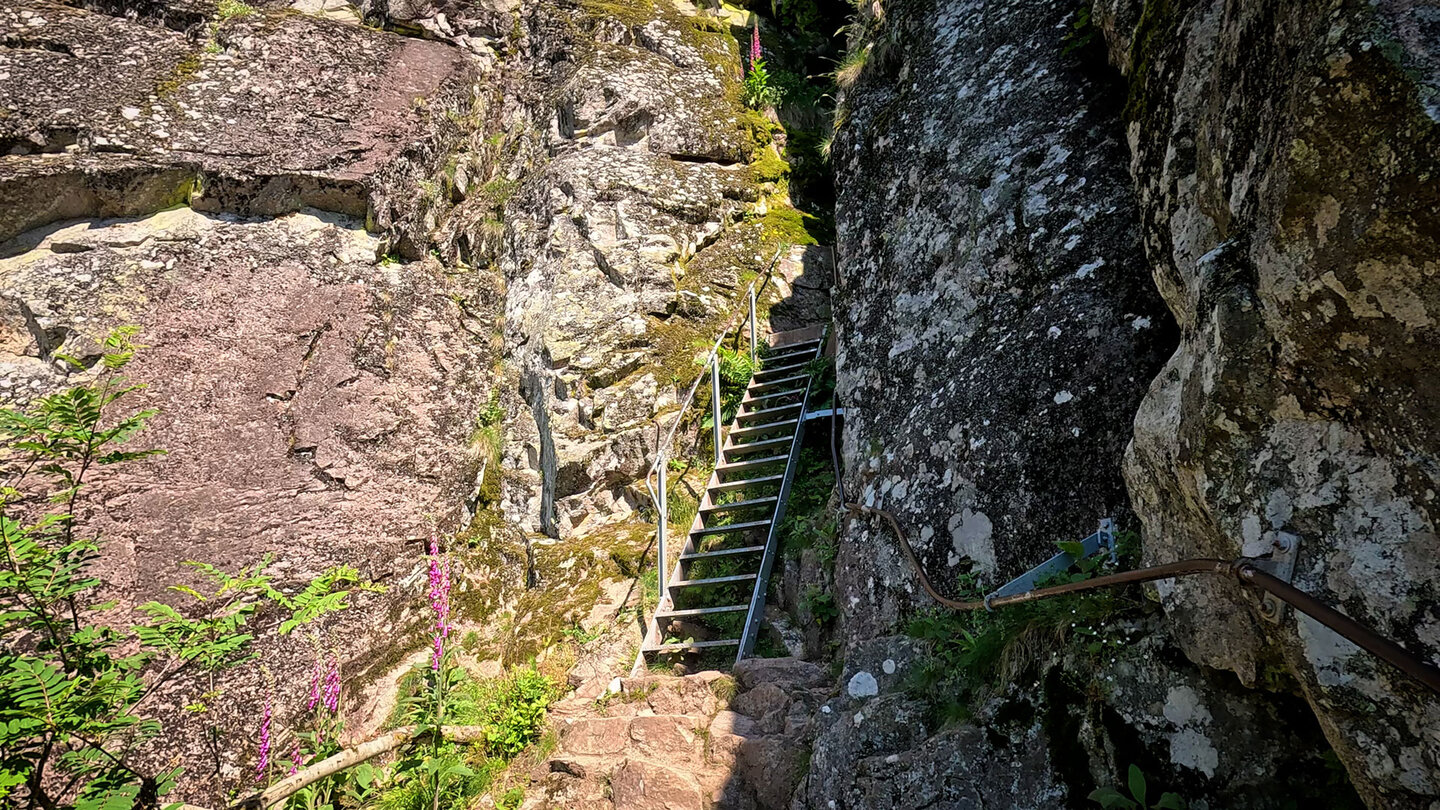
<point x="415" y="267"/>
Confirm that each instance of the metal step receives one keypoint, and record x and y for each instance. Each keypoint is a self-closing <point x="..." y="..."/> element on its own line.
<point x="768" y="427"/>
<point x="750" y="401"/>
<point x="791" y="348"/>
<point x="779" y="383"/>
<point x="765" y="413"/>
<point x="697" y="583"/>
<point x="750" y="504"/>
<point x="780" y="369"/>
<point x="757" y="462"/>
<point x="694" y="646"/>
<point x="727" y="486"/>
<point x="732" y="527"/>
<point x="724" y="552"/>
<point x="710" y="611"/>
<point x="731" y="450"/>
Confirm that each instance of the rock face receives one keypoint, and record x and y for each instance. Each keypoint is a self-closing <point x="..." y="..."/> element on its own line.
<point x="622" y="254"/>
<point x="278" y="112"/>
<point x="997" y="325"/>
<point x="999" y="328"/>
<point x="387" y="283"/>
<point x="1065" y="726"/>
<point x="288" y="368"/>
<point x="1296" y="239"/>
<point x="317" y="396"/>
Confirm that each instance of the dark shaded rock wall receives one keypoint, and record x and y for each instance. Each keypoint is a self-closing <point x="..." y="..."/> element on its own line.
<point x="997" y="322"/>
<point x="1283" y="157"/>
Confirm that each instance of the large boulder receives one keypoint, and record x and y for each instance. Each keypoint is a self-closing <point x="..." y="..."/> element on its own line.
<point x="1284" y="154"/>
<point x="622" y="249"/>
<point x="277" y="112"/>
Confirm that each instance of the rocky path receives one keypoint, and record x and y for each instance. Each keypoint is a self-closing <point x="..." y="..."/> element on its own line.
<point x="706" y="740"/>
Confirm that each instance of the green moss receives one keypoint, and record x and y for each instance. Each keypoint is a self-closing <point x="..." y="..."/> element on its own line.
<point x="1154" y="30"/>
<point x="570" y="575"/>
<point x="769" y="167"/>
<point x="630" y="12"/>
<point x="787" y="225"/>
<point x="184" y="70"/>
<point x="761" y="129"/>
<point x="226" y="9"/>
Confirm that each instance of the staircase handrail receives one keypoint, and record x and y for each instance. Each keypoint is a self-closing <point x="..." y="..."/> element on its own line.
<point x="662" y="453"/>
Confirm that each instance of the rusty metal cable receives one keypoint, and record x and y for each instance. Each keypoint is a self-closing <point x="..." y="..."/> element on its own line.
<point x="1242" y="569"/>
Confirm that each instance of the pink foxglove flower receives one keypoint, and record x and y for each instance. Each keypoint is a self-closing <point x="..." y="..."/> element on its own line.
<point x="295" y="759"/>
<point x="755" y="46"/>
<point x="331" y="694"/>
<point x="439" y="599"/>
<point x="263" y="764"/>
<point x="314" y="686"/>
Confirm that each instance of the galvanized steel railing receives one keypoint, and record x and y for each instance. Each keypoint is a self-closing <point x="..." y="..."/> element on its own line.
<point x="710" y="367"/>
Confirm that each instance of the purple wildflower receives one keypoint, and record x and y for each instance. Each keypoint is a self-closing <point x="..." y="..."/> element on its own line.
<point x="314" y="686"/>
<point x="755" y="46"/>
<point x="439" y="598"/>
<point x="332" y="685"/>
<point x="264" y="764"/>
<point x="295" y="759"/>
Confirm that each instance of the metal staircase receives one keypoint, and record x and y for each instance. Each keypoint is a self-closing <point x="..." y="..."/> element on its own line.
<point x="714" y="596"/>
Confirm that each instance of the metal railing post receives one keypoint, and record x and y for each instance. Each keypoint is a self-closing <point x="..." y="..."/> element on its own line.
<point x="662" y="512"/>
<point x="715" y="404"/>
<point x="752" y="325"/>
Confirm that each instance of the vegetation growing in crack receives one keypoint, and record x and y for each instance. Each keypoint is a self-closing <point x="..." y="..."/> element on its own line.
<point x="974" y="654"/>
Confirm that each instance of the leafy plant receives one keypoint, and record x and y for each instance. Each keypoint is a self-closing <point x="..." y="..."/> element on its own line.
<point x="736" y="369"/>
<point x="1082" y="31"/>
<point x="1111" y="799"/>
<point x="809" y="522"/>
<point x="760" y="91"/>
<point x="820" y="604"/>
<point x="226" y="9"/>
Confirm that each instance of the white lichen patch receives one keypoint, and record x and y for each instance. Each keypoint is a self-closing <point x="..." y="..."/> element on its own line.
<point x="971" y="534"/>
<point x="862" y="685"/>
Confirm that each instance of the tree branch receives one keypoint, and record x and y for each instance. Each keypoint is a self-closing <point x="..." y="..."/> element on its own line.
<point x="348" y="758"/>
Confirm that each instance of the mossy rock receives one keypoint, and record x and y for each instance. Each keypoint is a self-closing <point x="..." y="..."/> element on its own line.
<point x="784" y="224"/>
<point x="769" y="167"/>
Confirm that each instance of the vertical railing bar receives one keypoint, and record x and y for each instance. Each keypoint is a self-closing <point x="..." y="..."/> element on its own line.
<point x="752" y="326"/>
<point x="663" y="511"/>
<point x="715" y="405"/>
